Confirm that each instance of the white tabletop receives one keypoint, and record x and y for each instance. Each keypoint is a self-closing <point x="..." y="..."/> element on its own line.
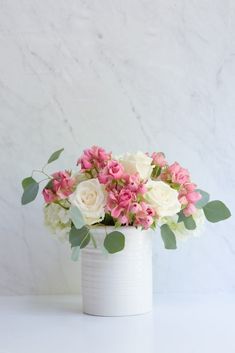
<point x="56" y="324"/>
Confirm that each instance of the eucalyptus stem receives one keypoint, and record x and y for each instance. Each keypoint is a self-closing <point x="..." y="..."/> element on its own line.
<point x="42" y="172"/>
<point x="42" y="180"/>
<point x="58" y="203"/>
<point x="93" y="241"/>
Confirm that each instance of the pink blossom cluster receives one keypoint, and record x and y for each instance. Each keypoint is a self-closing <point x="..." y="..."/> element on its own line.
<point x="125" y="193"/>
<point x="60" y="187"/>
<point x="126" y="204"/>
<point x="93" y="158"/>
<point x="188" y="196"/>
<point x="125" y="201"/>
<point x="159" y="159"/>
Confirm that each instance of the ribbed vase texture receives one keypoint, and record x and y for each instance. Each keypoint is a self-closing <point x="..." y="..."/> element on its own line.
<point x="118" y="284"/>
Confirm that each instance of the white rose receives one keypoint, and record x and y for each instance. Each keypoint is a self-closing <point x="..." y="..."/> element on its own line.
<point x="138" y="162"/>
<point x="162" y="198"/>
<point x="90" y="198"/>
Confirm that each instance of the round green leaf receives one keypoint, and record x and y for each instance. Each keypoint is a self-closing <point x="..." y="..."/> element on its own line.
<point x="55" y="156"/>
<point x="75" y="253"/>
<point x="76" y="217"/>
<point x="27" y="181"/>
<point x="79" y="237"/>
<point x="205" y="198"/>
<point x="189" y="222"/>
<point x="216" y="211"/>
<point x="114" y="242"/>
<point x="168" y="237"/>
<point x="30" y="191"/>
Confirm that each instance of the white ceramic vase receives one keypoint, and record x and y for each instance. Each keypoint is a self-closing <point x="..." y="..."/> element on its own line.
<point x="118" y="284"/>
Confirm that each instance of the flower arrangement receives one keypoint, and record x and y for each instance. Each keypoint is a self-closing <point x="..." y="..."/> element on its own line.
<point x="139" y="190"/>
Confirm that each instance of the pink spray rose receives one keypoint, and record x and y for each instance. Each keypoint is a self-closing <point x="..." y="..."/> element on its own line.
<point x="49" y="195"/>
<point x="188" y="197"/>
<point x="134" y="183"/>
<point x="159" y="159"/>
<point x="94" y="157"/>
<point x="113" y="170"/>
<point x="118" y="203"/>
<point x="144" y="214"/>
<point x="178" y="174"/>
<point x="62" y="185"/>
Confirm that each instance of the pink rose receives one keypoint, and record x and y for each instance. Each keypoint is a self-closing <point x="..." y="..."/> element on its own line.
<point x="113" y="170"/>
<point x="62" y="185"/>
<point x="144" y="215"/>
<point x="94" y="157"/>
<point x="134" y="183"/>
<point x="189" y="210"/>
<point x="118" y="203"/>
<point x="178" y="174"/>
<point x="188" y="196"/>
<point x="159" y="159"/>
<point x="49" y="195"/>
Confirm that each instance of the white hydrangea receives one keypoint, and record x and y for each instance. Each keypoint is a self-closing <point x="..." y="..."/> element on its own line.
<point x="57" y="220"/>
<point x="179" y="229"/>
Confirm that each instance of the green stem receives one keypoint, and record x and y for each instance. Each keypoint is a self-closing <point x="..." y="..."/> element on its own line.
<point x="42" y="180"/>
<point x="93" y="241"/>
<point x="82" y="242"/>
<point x="58" y="203"/>
<point x="42" y="172"/>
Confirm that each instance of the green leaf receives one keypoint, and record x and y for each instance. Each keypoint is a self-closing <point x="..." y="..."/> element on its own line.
<point x="168" y="237"/>
<point x="75" y="253"/>
<point x="76" y="217"/>
<point x="189" y="222"/>
<point x="181" y="216"/>
<point x="49" y="185"/>
<point x="55" y="156"/>
<point x="216" y="211"/>
<point x="31" y="188"/>
<point x="205" y="198"/>
<point x="108" y="220"/>
<point x="114" y="242"/>
<point x="79" y="237"/>
<point x="27" y="181"/>
<point x="156" y="171"/>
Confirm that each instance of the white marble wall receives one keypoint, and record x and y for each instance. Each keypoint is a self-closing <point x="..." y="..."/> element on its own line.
<point x="127" y="75"/>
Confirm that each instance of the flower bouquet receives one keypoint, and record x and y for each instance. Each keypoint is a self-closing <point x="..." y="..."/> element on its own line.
<point x="106" y="208"/>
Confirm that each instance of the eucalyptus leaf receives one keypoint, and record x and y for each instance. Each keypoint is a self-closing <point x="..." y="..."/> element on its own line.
<point x="31" y="188"/>
<point x="114" y="242"/>
<point x="49" y="185"/>
<point x="204" y="200"/>
<point x="188" y="221"/>
<point x="181" y="216"/>
<point x="76" y="217"/>
<point x="79" y="237"/>
<point x="168" y="237"/>
<point x="27" y="181"/>
<point x="108" y="220"/>
<point x="55" y="155"/>
<point x="216" y="211"/>
<point x="75" y="253"/>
